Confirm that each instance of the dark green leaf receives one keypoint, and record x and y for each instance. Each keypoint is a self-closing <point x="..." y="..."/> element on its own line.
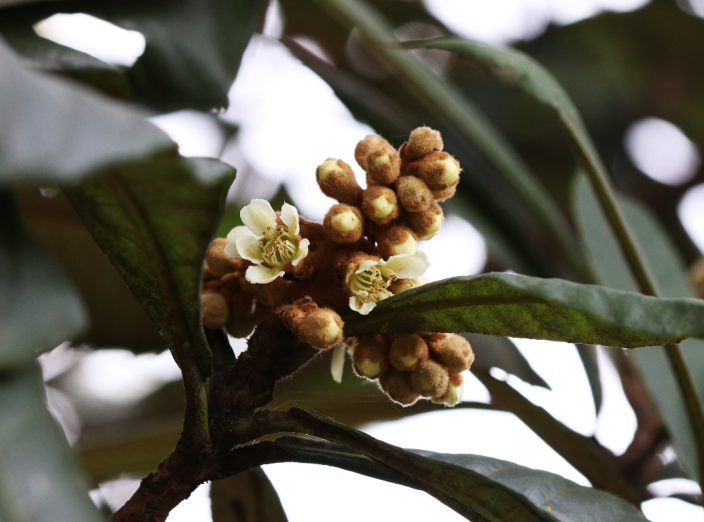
<point x="580" y="451"/>
<point x="247" y="497"/>
<point x="477" y="486"/>
<point x="39" y="309"/>
<point x="500" y="352"/>
<point x="193" y="49"/>
<point x="56" y="131"/>
<point x="154" y="221"/>
<point x="39" y="480"/>
<point x="587" y="354"/>
<point x="611" y="269"/>
<point x="513" y="305"/>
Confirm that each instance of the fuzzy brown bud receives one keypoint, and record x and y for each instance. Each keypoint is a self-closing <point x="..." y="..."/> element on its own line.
<point x="397" y="385"/>
<point x="421" y="142"/>
<point x="438" y="170"/>
<point x="215" y="309"/>
<point x="407" y="352"/>
<point x="344" y="223"/>
<point x="426" y="224"/>
<point x="383" y="166"/>
<point x="413" y="193"/>
<point x="371" y="356"/>
<point x="380" y="204"/>
<point x="336" y="180"/>
<point x="218" y="261"/>
<point x="453" y="351"/>
<point x="396" y="240"/>
<point x="442" y="195"/>
<point x="430" y="379"/>
<point x="369" y="144"/>
<point x="455" y="389"/>
<point x="322" y="329"/>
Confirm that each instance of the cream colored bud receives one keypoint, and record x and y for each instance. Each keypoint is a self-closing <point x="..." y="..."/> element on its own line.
<point x="454" y="352"/>
<point x="438" y="170"/>
<point x="327" y="168"/>
<point x="380" y="205"/>
<point x="383" y="166"/>
<point x="215" y="309"/>
<point x="322" y="329"/>
<point x="450" y="170"/>
<point x="407" y="352"/>
<point x="366" y="146"/>
<point x="428" y="223"/>
<point x="455" y="390"/>
<point x="430" y="379"/>
<point x="343" y="223"/>
<point x="336" y="180"/>
<point x="370" y="357"/>
<point x="397" y="240"/>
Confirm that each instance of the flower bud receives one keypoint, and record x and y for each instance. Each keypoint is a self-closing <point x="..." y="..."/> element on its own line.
<point x="344" y="224"/>
<point x="422" y="142"/>
<point x="293" y="315"/>
<point x="414" y="195"/>
<point x="380" y="204"/>
<point x="430" y="379"/>
<point x="426" y="224"/>
<point x="396" y="240"/>
<point x="336" y="180"/>
<point x="442" y="195"/>
<point x="407" y="352"/>
<point x="401" y="285"/>
<point x="371" y="356"/>
<point x="322" y="329"/>
<point x="369" y="144"/>
<point x="453" y="351"/>
<point x="218" y="261"/>
<point x="215" y="309"/>
<point x="397" y="385"/>
<point x="455" y="389"/>
<point x="438" y="170"/>
<point x="383" y="166"/>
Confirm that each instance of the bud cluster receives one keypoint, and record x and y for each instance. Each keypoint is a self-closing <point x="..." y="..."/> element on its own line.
<point x="410" y="366"/>
<point x="365" y="250"/>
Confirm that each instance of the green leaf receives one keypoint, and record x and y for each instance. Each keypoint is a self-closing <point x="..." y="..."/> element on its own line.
<point x="587" y="354"/>
<point x="477" y="486"/>
<point x="193" y="48"/>
<point x="39" y="480"/>
<point x="500" y="352"/>
<point x="513" y="305"/>
<point x="39" y="309"/>
<point x="247" y="497"/>
<point x="580" y="451"/>
<point x="61" y="131"/>
<point x="611" y="269"/>
<point x="154" y="221"/>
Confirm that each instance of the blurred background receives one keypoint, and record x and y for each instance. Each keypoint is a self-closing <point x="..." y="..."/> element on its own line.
<point x="307" y="90"/>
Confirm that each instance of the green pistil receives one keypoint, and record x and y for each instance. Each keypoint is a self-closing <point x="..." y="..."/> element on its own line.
<point x="278" y="246"/>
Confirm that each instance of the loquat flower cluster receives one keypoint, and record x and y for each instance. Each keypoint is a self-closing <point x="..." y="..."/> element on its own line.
<point x="365" y="250"/>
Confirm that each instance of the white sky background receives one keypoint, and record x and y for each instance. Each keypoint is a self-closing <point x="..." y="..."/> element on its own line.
<point x="291" y="122"/>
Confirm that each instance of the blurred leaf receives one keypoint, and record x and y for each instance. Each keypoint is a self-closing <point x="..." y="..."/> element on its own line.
<point x="60" y="131"/>
<point x="480" y="486"/>
<point x="45" y="55"/>
<point x="513" y="305"/>
<point x="194" y="48"/>
<point x="154" y="221"/>
<point x="247" y="497"/>
<point x="116" y="319"/>
<point x="611" y="269"/>
<point x="39" y="309"/>
<point x="39" y="480"/>
<point x="588" y="356"/>
<point x="447" y="103"/>
<point x="500" y="352"/>
<point x="580" y="451"/>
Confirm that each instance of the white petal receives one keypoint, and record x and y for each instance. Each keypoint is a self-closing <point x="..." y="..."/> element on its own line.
<point x="407" y="266"/>
<point x="233" y="236"/>
<point x="337" y="364"/>
<point x="289" y="215"/>
<point x="367" y="264"/>
<point x="249" y="249"/>
<point x="262" y="275"/>
<point x="302" y="251"/>
<point x="364" y="309"/>
<point x="258" y="215"/>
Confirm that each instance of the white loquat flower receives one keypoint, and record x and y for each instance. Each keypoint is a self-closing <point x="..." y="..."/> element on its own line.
<point x="264" y="242"/>
<point x="369" y="281"/>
